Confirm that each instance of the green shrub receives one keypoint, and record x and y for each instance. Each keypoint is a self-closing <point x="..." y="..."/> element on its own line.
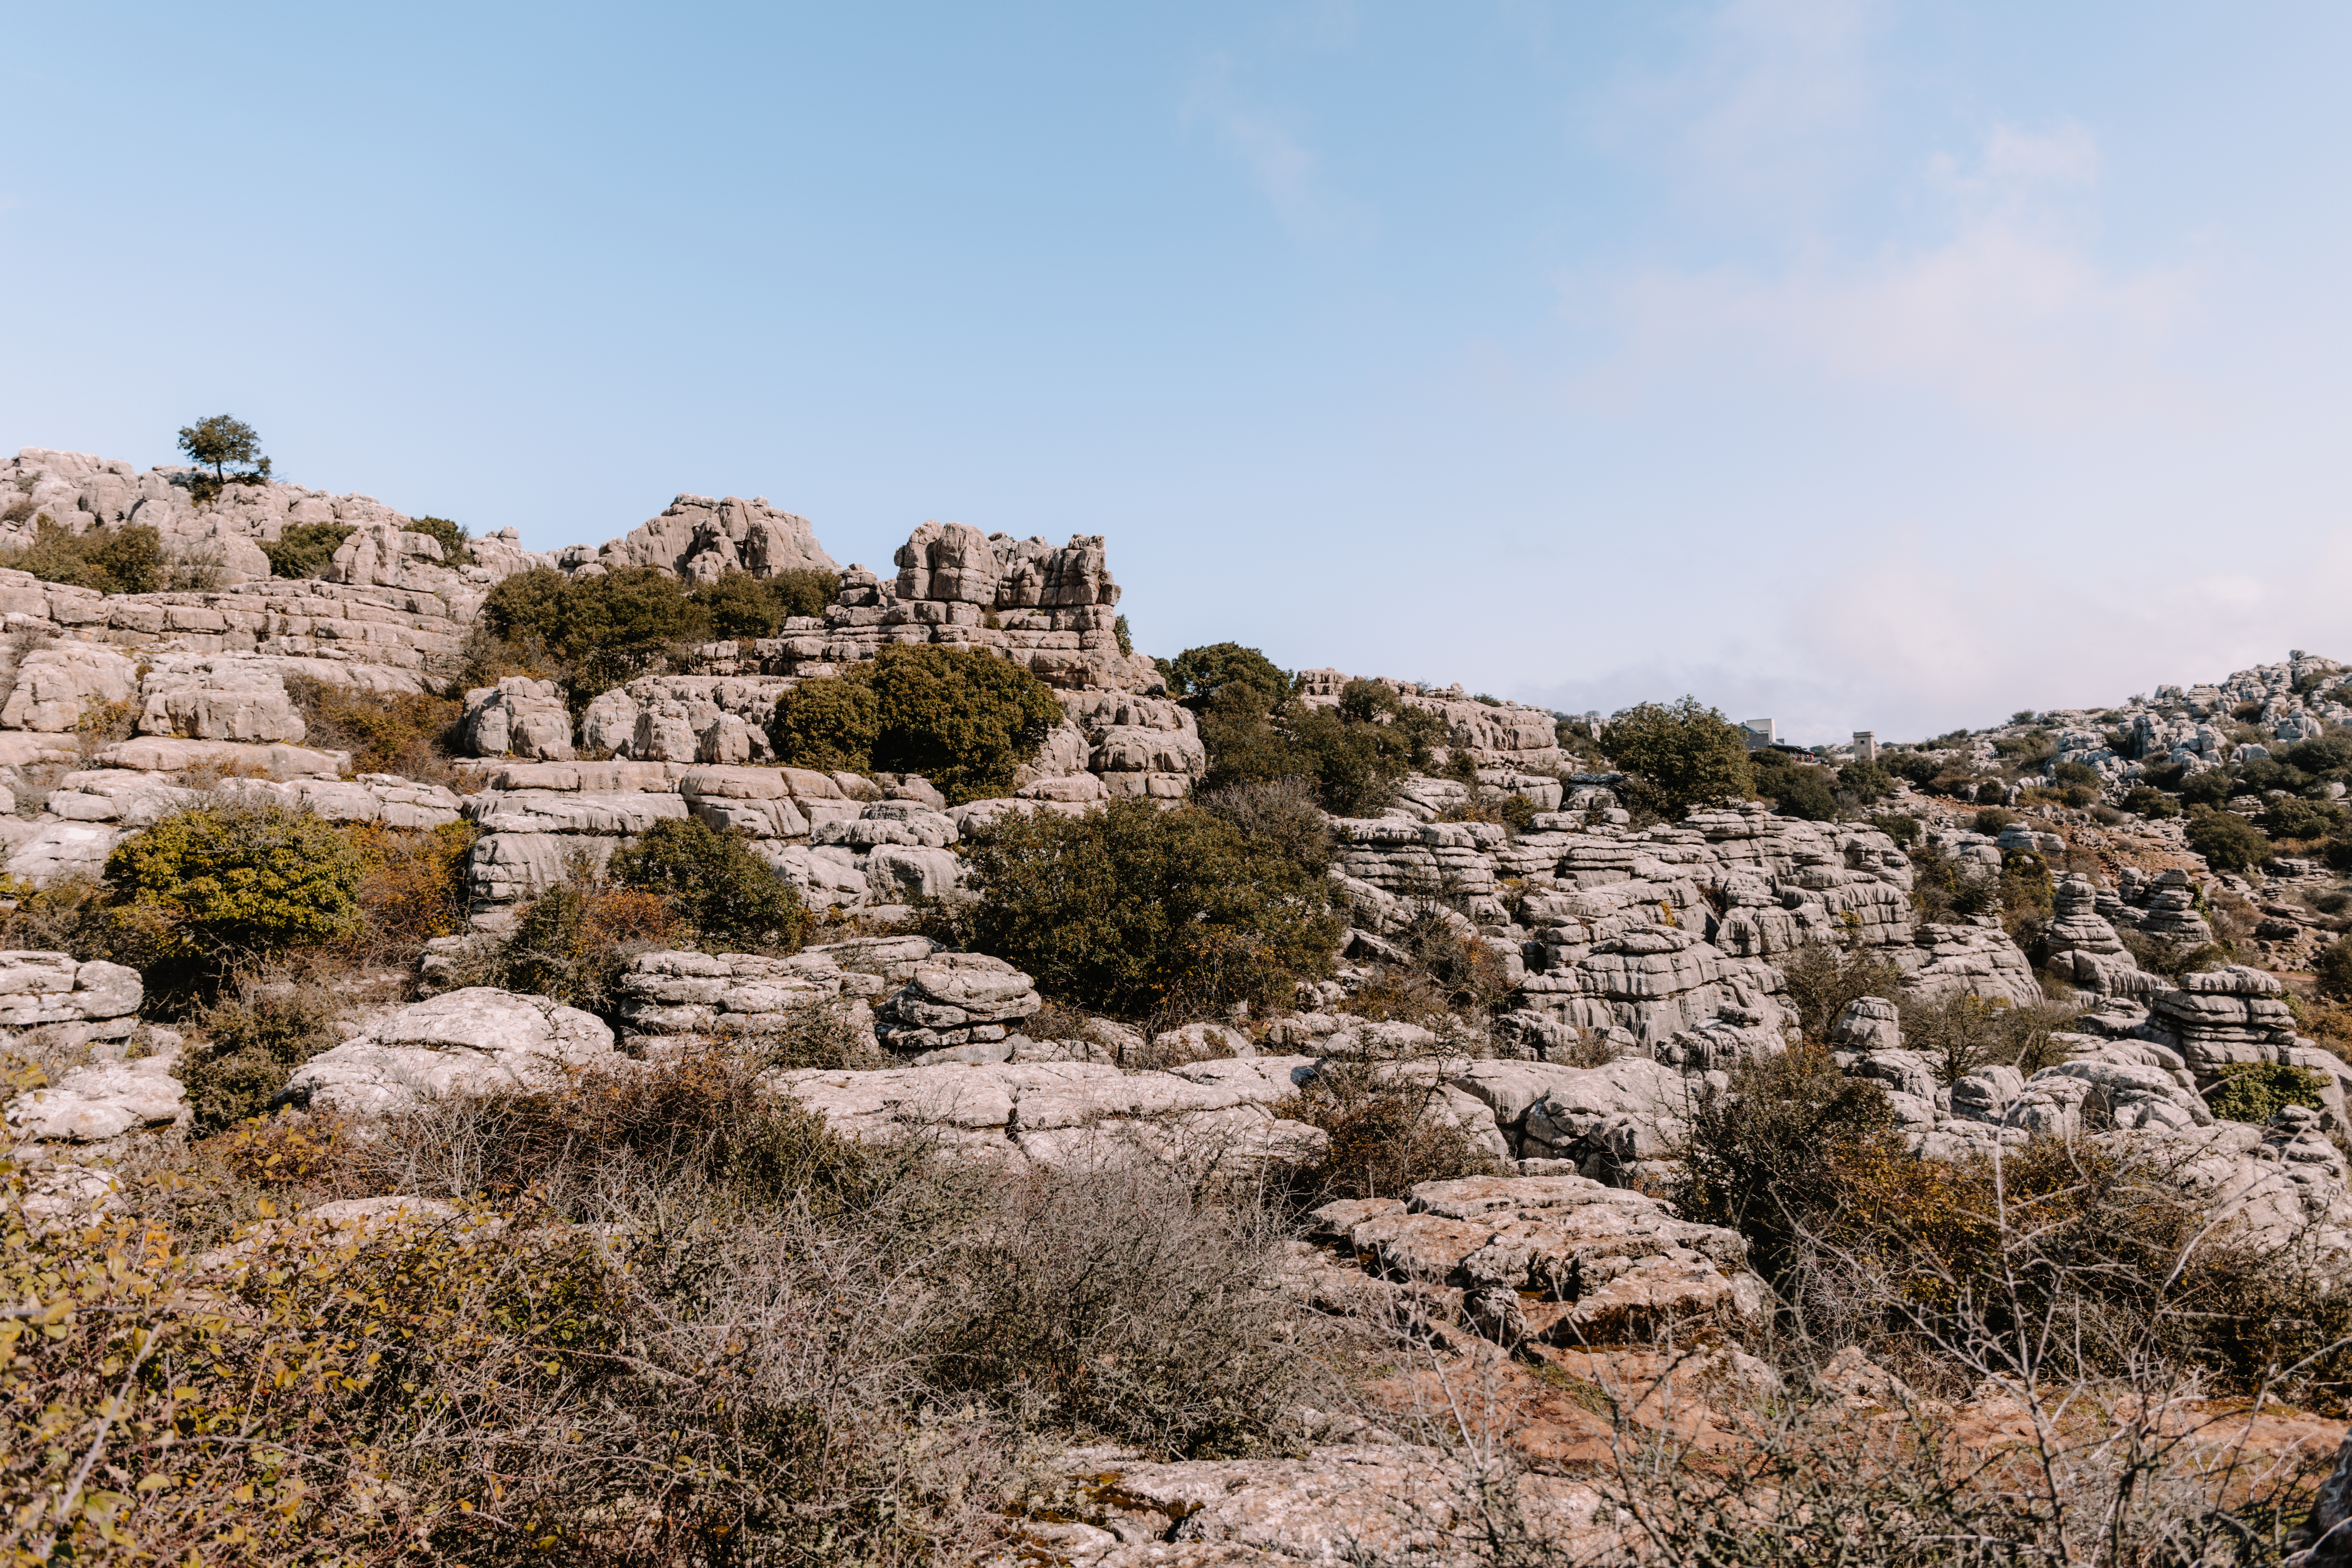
<point x="828" y="722"/>
<point x="605" y="628"/>
<point x="404" y="733"/>
<point x="449" y="536"/>
<point x="1824" y="976"/>
<point x="1353" y="754"/>
<point x="2152" y="804"/>
<point x="2259" y="1092"/>
<point x="575" y="941"/>
<point x="1903" y="830"/>
<point x="1992" y="792"/>
<point x="732" y="899"/>
<point x="2288" y="817"/>
<point x="125" y="559"/>
<point x="1681" y="755"/>
<point x="1991" y="821"/>
<point x="745" y="608"/>
<point x="963" y="718"/>
<point x="1126" y="638"/>
<point x="2332" y="972"/>
<point x="236" y="877"/>
<point x="2228" y="841"/>
<point x="1200" y="673"/>
<point x="1766" y="1158"/>
<point x="249" y="1045"/>
<point x="305" y="548"/>
<point x="1866" y="782"/>
<point x="2212" y="787"/>
<point x="1796" y="789"/>
<point x="1148" y="913"/>
<point x="2081" y="774"/>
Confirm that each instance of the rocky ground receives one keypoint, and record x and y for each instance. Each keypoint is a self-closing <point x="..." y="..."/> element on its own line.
<point x="1521" y="1337"/>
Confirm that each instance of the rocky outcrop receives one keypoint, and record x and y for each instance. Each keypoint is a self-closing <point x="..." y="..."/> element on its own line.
<point x="1503" y="739"/>
<point x="72" y="1002"/>
<point x="700" y="539"/>
<point x="957" y="999"/>
<point x="102" y="1101"/>
<point x="519" y="717"/>
<point x="1207" y="1115"/>
<point x="1554" y="1259"/>
<point x="1972" y="960"/>
<point x="2086" y="948"/>
<point x="474" y="1041"/>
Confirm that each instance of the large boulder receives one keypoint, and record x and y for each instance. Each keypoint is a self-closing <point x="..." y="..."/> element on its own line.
<point x="518" y="717"/>
<point x="101" y="1101"/>
<point x="70" y="1000"/>
<point x="957" y="998"/>
<point x="56" y="685"/>
<point x="479" y="1040"/>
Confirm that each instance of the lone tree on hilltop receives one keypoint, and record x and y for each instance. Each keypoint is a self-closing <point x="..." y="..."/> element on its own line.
<point x="219" y="441"/>
<point x="1681" y="755"/>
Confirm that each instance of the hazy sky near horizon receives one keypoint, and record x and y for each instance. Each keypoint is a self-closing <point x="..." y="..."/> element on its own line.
<point x="1884" y="366"/>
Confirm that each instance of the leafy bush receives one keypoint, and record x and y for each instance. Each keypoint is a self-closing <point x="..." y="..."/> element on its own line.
<point x="305" y="548"/>
<point x="2212" y="787"/>
<point x="1147" y="913"/>
<point x="2332" y="972"/>
<point x="1991" y="821"/>
<point x="603" y="629"/>
<point x="1202" y="673"/>
<point x="1764" y="1158"/>
<point x="1126" y="638"/>
<point x="963" y="718"/>
<point x="1796" y="789"/>
<point x="2152" y="804"/>
<point x="1681" y="755"/>
<point x="1353" y="754"/>
<point x="413" y="883"/>
<point x="1904" y="829"/>
<point x="235" y="878"/>
<point x="575" y="941"/>
<point x="455" y="548"/>
<point x="124" y="559"/>
<point x="2259" y="1092"/>
<point x="746" y="608"/>
<point x="2081" y="774"/>
<point x="1866" y="782"/>
<point x="829" y="723"/>
<point x="2287" y="817"/>
<point x="1961" y="1033"/>
<point x="2228" y="841"/>
<point x="730" y="897"/>
<point x="249" y="1045"/>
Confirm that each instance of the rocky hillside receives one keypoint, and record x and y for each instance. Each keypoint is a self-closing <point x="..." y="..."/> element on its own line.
<point x="684" y="1051"/>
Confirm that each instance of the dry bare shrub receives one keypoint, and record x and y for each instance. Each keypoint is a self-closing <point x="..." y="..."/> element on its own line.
<point x="1824" y="976"/>
<point x="1117" y="1299"/>
<point x="1961" y="1033"/>
<point x="1389" y="1128"/>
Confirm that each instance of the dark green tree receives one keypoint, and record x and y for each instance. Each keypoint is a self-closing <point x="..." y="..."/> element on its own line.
<point x="220" y="441"/>
<point x="1682" y="754"/>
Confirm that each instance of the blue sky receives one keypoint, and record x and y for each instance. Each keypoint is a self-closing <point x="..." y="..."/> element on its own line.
<point x="1866" y="365"/>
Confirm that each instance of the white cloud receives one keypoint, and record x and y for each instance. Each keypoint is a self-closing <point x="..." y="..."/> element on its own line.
<point x="2010" y="316"/>
<point x="1278" y="161"/>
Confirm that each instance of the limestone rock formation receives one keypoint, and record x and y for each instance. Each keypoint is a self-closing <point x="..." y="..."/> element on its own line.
<point x="700" y="539"/>
<point x="73" y="1002"/>
<point x="102" y="1101"/>
<point x="477" y="1040"/>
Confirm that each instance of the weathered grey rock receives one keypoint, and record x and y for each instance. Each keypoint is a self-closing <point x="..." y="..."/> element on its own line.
<point x="2085" y="947"/>
<point x="1972" y="961"/>
<point x="58" y="684"/>
<point x="102" y="1101"/>
<point x="73" y="1002"/>
<point x="1016" y="1114"/>
<point x="518" y="717"/>
<point x="1587" y="1264"/>
<point x="226" y="697"/>
<point x="700" y="539"/>
<point x="670" y="995"/>
<point x="479" y="1040"/>
<point x="954" y="999"/>
<point x="1867" y="1023"/>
